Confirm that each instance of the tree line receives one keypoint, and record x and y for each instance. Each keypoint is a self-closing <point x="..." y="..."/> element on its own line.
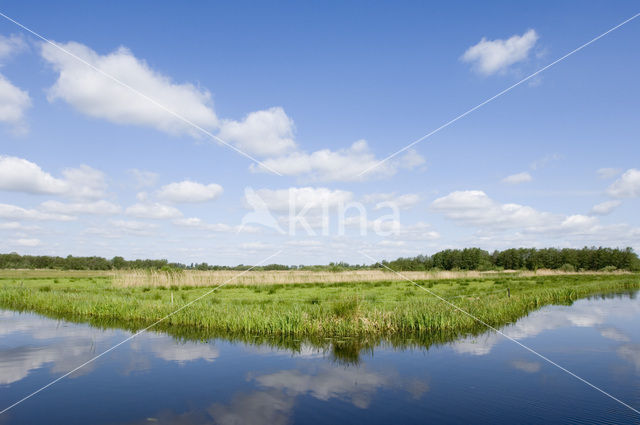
<point x="568" y="259"/>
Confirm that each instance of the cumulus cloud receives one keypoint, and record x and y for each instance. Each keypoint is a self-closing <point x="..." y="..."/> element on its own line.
<point x="13" y="100"/>
<point x="13" y="104"/>
<point x="341" y="165"/>
<point x="474" y="207"/>
<point x="189" y="191"/>
<point x="13" y="212"/>
<point x="85" y="182"/>
<point x="492" y="56"/>
<point x="21" y="175"/>
<point x="15" y="225"/>
<point x="153" y="210"/>
<point x="101" y="207"/>
<point x="298" y="198"/>
<point x="93" y="93"/>
<point x="518" y="178"/>
<point x="605" y="208"/>
<point x="26" y="242"/>
<point x="627" y="186"/>
<point x="267" y="132"/>
<point x="11" y="45"/>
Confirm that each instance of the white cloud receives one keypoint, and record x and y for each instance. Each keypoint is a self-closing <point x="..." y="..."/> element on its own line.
<point x="374" y="198"/>
<point x="608" y="173"/>
<point x="137" y="228"/>
<point x="13" y="100"/>
<point x="143" y="178"/>
<point x="153" y="210"/>
<point x="578" y="223"/>
<point x="26" y="242"/>
<point x="10" y="225"/>
<point x="11" y="45"/>
<point x="518" y="178"/>
<point x="383" y="200"/>
<point x="198" y="223"/>
<point x="419" y="231"/>
<point x="255" y="246"/>
<point x="13" y="212"/>
<point x="627" y="186"/>
<point x="96" y="95"/>
<point x="189" y="191"/>
<point x="101" y="207"/>
<point x="474" y="207"/>
<point x="299" y="198"/>
<point x="13" y="104"/>
<point x="492" y="56"/>
<point x="268" y="132"/>
<point x="21" y="175"/>
<point x="410" y="160"/>
<point x="85" y="182"/>
<point x="605" y="208"/>
<point x="340" y="165"/>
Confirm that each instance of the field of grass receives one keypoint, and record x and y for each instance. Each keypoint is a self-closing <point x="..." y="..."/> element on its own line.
<point x="306" y="310"/>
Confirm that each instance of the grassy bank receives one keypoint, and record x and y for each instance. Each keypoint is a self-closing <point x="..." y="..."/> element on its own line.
<point x="311" y="310"/>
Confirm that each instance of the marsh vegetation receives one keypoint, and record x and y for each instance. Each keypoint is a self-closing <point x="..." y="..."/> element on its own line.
<point x="377" y="308"/>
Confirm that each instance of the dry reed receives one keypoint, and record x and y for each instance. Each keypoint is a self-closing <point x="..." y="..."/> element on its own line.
<point x="154" y="278"/>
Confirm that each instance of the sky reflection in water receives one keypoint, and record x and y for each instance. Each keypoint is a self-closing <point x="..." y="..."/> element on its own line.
<point x="481" y="379"/>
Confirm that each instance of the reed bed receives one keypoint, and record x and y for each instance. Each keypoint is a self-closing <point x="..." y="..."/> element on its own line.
<point x="157" y="278"/>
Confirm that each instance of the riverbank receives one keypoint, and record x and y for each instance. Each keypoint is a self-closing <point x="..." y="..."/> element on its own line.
<point x="309" y="310"/>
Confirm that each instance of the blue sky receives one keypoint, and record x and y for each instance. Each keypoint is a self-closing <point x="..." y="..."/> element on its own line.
<point x="318" y="92"/>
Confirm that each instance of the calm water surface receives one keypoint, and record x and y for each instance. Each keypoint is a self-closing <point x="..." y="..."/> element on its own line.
<point x="155" y="379"/>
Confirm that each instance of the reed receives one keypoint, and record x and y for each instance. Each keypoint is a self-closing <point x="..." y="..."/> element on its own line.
<point x="161" y="278"/>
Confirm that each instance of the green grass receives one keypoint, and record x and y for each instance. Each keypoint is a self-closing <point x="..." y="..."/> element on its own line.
<point x="311" y="311"/>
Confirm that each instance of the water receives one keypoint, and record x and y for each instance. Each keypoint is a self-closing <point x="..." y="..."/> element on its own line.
<point x="155" y="379"/>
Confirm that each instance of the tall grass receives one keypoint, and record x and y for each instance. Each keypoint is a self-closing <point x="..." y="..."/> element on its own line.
<point x="156" y="278"/>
